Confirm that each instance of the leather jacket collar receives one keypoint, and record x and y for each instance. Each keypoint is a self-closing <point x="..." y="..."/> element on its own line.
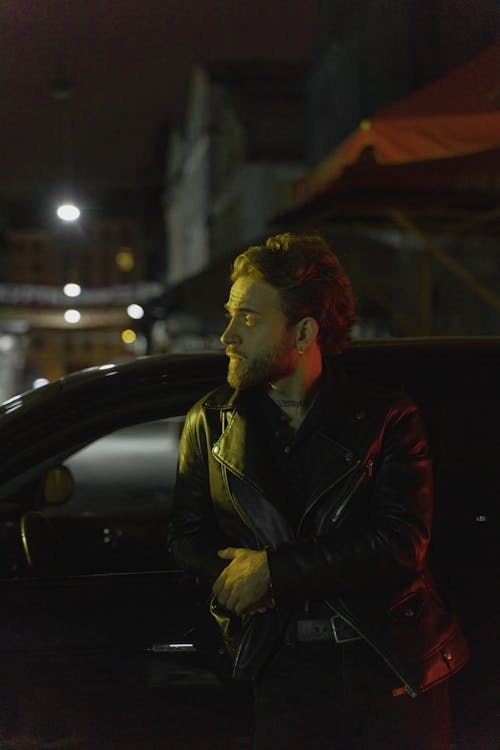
<point x="344" y="439"/>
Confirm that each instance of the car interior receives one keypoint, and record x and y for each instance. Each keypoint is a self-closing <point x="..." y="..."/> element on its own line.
<point x="104" y="510"/>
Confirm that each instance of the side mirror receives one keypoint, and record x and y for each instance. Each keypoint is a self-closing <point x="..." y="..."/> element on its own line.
<point x="58" y="486"/>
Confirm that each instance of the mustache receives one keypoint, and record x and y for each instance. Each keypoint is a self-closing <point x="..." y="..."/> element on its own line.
<point x="230" y="352"/>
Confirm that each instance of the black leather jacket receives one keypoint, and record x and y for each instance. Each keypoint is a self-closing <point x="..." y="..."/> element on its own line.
<point x="360" y="546"/>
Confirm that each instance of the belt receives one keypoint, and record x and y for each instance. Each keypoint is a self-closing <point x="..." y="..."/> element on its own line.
<point x="311" y="629"/>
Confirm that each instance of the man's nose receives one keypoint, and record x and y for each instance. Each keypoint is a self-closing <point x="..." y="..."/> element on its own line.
<point x="229" y="335"/>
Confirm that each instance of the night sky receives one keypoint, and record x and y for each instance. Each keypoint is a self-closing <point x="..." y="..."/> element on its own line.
<point x="129" y="64"/>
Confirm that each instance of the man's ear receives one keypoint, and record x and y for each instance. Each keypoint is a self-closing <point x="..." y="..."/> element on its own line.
<point x="306" y="332"/>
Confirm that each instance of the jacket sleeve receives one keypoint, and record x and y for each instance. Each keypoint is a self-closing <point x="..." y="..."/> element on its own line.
<point x="194" y="538"/>
<point x="386" y="540"/>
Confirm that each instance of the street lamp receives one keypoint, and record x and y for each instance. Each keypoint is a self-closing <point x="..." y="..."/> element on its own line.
<point x="72" y="316"/>
<point x="61" y="93"/>
<point x="135" y="311"/>
<point x="72" y="290"/>
<point x="68" y="212"/>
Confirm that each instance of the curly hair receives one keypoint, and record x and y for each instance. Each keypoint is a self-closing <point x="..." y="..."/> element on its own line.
<point x="311" y="282"/>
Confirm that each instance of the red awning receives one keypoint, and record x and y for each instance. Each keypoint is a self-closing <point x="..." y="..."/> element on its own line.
<point x="456" y="116"/>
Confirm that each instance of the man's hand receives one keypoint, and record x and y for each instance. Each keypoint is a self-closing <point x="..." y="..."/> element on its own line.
<point x="244" y="586"/>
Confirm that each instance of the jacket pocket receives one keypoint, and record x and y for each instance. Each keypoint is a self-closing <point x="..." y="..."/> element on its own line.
<point x="408" y="609"/>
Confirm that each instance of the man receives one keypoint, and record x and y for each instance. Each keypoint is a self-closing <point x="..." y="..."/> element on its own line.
<point x="305" y="500"/>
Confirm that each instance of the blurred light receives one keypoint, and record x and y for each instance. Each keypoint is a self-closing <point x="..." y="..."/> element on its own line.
<point x="160" y="336"/>
<point x="135" y="311"/>
<point x="12" y="403"/>
<point x="72" y="316"/>
<point x="68" y="212"/>
<point x="128" y="336"/>
<point x="7" y="343"/>
<point x="124" y="259"/>
<point x="72" y="290"/>
<point x="365" y="125"/>
<point x="39" y="382"/>
<point x="140" y="345"/>
<point x="173" y="647"/>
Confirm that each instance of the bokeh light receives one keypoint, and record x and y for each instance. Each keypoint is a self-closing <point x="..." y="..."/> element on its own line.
<point x="135" y="311"/>
<point x="72" y="316"/>
<point x="128" y="336"/>
<point x="68" y="212"/>
<point x="72" y="290"/>
<point x="124" y="259"/>
<point x="38" y="382"/>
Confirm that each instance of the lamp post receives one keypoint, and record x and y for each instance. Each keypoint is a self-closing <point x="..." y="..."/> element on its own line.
<point x="67" y="210"/>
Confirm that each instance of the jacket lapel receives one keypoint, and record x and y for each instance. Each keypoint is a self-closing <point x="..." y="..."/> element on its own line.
<point x="341" y="444"/>
<point x="250" y="478"/>
<point x="345" y="434"/>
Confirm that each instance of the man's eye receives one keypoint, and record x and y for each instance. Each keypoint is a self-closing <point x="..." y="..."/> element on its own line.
<point x="247" y="319"/>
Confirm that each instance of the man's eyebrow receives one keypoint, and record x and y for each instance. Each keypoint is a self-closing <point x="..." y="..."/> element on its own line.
<point x="228" y="307"/>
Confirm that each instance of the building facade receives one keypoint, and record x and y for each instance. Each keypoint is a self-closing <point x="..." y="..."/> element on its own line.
<point x="229" y="172"/>
<point x="103" y="260"/>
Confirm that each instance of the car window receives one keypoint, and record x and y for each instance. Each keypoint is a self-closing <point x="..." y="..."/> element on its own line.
<point x="116" y="517"/>
<point x="129" y="472"/>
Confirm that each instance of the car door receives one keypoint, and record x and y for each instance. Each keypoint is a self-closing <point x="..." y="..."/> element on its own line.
<point x="102" y="639"/>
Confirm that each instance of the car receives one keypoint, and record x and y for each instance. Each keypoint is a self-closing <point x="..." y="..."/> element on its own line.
<point x="104" y="643"/>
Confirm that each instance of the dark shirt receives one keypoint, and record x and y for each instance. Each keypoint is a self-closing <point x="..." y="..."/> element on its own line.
<point x="291" y="454"/>
<point x="294" y="459"/>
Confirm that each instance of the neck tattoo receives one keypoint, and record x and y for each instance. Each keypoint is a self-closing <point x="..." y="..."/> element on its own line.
<point x="284" y="401"/>
<point x="288" y="403"/>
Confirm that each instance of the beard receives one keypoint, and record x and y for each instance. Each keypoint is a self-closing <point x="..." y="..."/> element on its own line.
<point x="274" y="363"/>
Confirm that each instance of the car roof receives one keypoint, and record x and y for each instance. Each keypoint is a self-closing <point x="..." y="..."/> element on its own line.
<point x="40" y="428"/>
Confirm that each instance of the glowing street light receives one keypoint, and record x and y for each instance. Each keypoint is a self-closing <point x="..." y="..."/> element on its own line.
<point x="68" y="212"/>
<point x="72" y="316"/>
<point x="135" y="311"/>
<point x="128" y="336"/>
<point x="39" y="382"/>
<point x="72" y="290"/>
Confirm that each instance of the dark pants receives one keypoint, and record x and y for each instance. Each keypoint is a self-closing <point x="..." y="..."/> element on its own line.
<point x="320" y="696"/>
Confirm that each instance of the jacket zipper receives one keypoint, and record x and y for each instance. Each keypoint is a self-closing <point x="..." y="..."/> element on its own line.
<point x="408" y="688"/>
<point x="324" y="491"/>
<point x="367" y="472"/>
